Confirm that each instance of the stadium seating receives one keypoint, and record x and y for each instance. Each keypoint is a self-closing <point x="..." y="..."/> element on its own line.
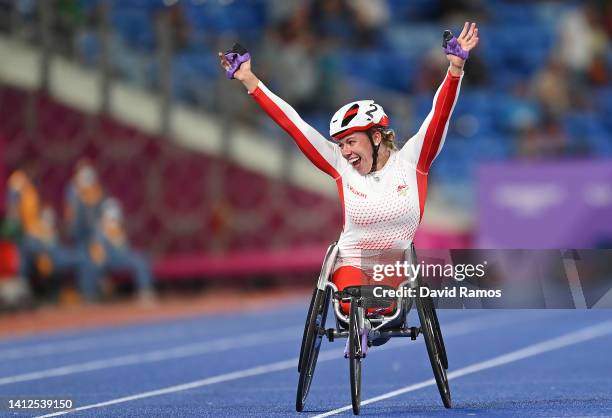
<point x="392" y="63"/>
<point x="169" y="189"/>
<point x="486" y="125"/>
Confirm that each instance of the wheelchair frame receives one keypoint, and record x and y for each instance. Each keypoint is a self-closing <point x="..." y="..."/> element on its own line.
<point x="361" y="330"/>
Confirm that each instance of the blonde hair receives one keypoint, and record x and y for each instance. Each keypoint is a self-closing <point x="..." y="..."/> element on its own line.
<point x="388" y="137"/>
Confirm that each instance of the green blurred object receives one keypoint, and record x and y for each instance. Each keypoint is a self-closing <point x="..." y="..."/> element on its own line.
<point x="10" y="229"/>
<point x="71" y="10"/>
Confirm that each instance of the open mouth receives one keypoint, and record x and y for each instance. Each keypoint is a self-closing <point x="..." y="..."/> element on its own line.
<point x="354" y="161"/>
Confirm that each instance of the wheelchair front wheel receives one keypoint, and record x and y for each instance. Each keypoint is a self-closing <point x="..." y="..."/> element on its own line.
<point x="311" y="344"/>
<point x="312" y="301"/>
<point x="355" y="354"/>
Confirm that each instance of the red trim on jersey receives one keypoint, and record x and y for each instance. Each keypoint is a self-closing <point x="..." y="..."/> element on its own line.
<point x="422" y="188"/>
<point x="341" y="195"/>
<point x="300" y="139"/>
<point x="435" y="130"/>
<point x="433" y="135"/>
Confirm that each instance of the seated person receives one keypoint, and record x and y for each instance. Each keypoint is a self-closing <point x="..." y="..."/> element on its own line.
<point x="84" y="197"/>
<point x="40" y="252"/>
<point x="110" y="252"/>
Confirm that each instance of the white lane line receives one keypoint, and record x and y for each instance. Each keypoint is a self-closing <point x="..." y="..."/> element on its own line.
<point x="254" y="371"/>
<point x="123" y="336"/>
<point x="245" y="341"/>
<point x="453" y="329"/>
<point x="113" y="338"/>
<point x="80" y="344"/>
<point x="572" y="338"/>
<point x="248" y="340"/>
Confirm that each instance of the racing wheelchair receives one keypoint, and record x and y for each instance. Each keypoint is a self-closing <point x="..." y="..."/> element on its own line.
<point x="364" y="329"/>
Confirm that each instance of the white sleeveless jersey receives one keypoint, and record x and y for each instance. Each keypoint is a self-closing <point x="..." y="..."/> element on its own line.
<point x="382" y="210"/>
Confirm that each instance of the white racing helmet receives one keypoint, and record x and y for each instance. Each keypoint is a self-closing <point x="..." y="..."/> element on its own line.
<point x="357" y="116"/>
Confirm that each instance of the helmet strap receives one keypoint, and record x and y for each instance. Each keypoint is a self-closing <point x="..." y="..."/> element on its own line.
<point x="374" y="152"/>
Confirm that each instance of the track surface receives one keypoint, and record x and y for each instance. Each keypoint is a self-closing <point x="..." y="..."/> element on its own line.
<point x="543" y="363"/>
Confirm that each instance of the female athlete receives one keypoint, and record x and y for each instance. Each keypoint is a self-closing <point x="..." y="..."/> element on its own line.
<point x="382" y="189"/>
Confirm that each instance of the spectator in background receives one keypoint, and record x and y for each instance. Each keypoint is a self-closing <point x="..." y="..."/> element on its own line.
<point x="428" y="76"/>
<point x="330" y="84"/>
<point x="110" y="252"/>
<point x="332" y="19"/>
<point x="541" y="140"/>
<point x="84" y="197"/>
<point x="585" y="43"/>
<point x="87" y="40"/>
<point x="598" y="73"/>
<point x="69" y="16"/>
<point x="41" y="254"/>
<point x="517" y="112"/>
<point x="54" y="260"/>
<point x="278" y="11"/>
<point x="583" y="37"/>
<point x="291" y="49"/>
<point x="550" y="88"/>
<point x="370" y="16"/>
<point x="179" y="26"/>
<point x="20" y="18"/>
<point x="22" y="214"/>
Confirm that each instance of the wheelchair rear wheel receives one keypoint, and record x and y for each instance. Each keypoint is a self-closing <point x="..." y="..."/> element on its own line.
<point x="429" y="305"/>
<point x="435" y="346"/>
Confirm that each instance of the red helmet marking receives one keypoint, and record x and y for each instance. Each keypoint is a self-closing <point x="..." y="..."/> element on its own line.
<point x="351" y="112"/>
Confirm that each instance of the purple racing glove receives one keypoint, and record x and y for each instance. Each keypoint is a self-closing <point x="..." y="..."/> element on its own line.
<point x="451" y="46"/>
<point x="236" y="56"/>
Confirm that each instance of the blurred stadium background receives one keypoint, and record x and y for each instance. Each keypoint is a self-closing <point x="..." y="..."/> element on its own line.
<point x="214" y="192"/>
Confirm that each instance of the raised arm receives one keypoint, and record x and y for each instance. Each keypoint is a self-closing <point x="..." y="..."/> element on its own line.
<point x="322" y="153"/>
<point x="425" y="146"/>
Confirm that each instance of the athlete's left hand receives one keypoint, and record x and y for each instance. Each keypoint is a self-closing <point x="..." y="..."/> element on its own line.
<point x="467" y="40"/>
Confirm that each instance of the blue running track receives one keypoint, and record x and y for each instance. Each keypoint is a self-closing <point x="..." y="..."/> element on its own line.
<point x="502" y="364"/>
